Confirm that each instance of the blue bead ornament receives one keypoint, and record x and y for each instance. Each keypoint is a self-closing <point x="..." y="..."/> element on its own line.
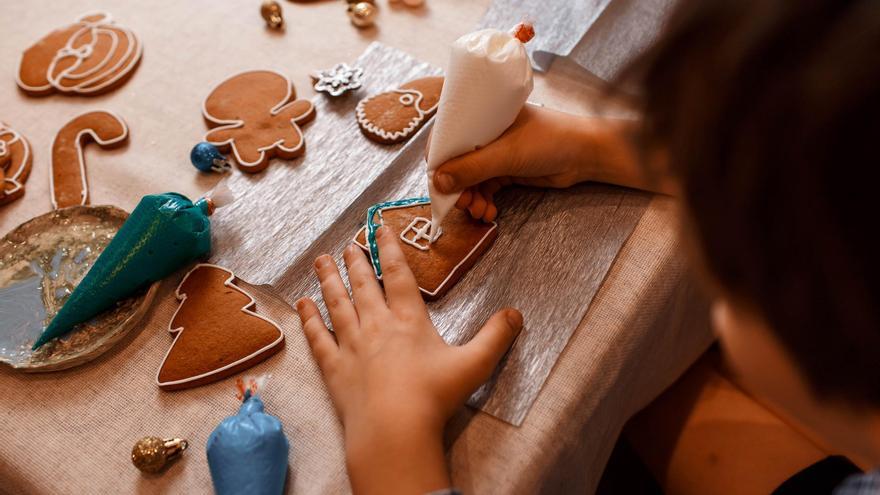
<point x="207" y="158"/>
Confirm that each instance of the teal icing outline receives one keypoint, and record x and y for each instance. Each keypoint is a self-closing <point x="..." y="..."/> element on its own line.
<point x="371" y="227"/>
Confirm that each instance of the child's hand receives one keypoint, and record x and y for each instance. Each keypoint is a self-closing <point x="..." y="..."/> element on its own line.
<point x="543" y="148"/>
<point x="393" y="380"/>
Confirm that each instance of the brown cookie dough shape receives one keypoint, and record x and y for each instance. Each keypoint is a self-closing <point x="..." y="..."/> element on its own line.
<point x="439" y="267"/>
<point x="67" y="177"/>
<point x="256" y="115"/>
<point x="396" y="115"/>
<point x="16" y="160"/>
<point x="217" y="332"/>
<point x="91" y="56"/>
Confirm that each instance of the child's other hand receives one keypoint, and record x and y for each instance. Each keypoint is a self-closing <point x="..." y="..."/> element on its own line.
<point x="392" y="378"/>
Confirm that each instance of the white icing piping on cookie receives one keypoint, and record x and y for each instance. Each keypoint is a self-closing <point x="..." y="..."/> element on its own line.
<point x="454" y="270"/>
<point x="80" y="156"/>
<point x="14" y="179"/>
<point x="85" y="51"/>
<point x="235" y="124"/>
<point x="409" y="129"/>
<point x="421" y="229"/>
<point x="246" y="309"/>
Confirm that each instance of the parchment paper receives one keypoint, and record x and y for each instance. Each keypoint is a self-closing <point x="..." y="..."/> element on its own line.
<point x="600" y="35"/>
<point x="552" y="253"/>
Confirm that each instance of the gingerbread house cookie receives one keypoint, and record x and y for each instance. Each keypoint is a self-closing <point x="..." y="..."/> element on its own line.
<point x="437" y="265"/>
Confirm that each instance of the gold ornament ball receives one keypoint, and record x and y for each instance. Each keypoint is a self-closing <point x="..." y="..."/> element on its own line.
<point x="152" y="454"/>
<point x="271" y="12"/>
<point x="362" y="14"/>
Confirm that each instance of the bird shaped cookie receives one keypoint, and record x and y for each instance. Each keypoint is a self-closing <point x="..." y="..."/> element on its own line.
<point x="396" y="115"/>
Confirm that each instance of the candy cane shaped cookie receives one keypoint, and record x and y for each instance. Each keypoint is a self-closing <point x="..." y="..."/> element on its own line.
<point x="68" y="175"/>
<point x="15" y="164"/>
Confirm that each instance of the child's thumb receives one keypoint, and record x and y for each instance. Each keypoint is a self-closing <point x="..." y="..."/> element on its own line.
<point x="486" y="349"/>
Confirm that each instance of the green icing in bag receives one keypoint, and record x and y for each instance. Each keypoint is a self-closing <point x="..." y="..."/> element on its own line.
<point x="162" y="234"/>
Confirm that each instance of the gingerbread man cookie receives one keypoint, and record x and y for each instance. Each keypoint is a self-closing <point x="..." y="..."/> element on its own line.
<point x="15" y="164"/>
<point x="217" y="333"/>
<point x="396" y="115"/>
<point x="91" y="56"/>
<point x="256" y="115"/>
<point x="67" y="177"/>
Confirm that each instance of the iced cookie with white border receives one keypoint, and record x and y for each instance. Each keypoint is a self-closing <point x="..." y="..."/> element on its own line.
<point x="91" y="56"/>
<point x="15" y="164"/>
<point x="256" y="116"/>
<point x="396" y="115"/>
<point x="438" y="264"/>
<point x="67" y="174"/>
<point x="217" y="332"/>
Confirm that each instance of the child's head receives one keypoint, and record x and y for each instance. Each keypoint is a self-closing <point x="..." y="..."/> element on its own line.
<point x="769" y="114"/>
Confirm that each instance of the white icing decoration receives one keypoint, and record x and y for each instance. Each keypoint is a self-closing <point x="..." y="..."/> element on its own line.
<point x="79" y="153"/>
<point x="93" y="29"/>
<point x="237" y="123"/>
<point x="409" y="97"/>
<point x="246" y="309"/>
<point x="421" y="231"/>
<point x="454" y="270"/>
<point x="15" y="179"/>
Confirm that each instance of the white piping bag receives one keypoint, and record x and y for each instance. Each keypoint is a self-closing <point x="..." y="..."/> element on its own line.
<point x="488" y="79"/>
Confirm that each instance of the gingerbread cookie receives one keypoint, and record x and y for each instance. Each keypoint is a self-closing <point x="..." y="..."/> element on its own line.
<point x="15" y="164"/>
<point x="67" y="177"/>
<point x="257" y="116"/>
<point x="91" y="56"/>
<point x="437" y="265"/>
<point x="217" y="332"/>
<point x="396" y="115"/>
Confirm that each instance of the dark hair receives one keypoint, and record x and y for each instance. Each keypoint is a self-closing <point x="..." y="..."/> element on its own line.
<point x="769" y="112"/>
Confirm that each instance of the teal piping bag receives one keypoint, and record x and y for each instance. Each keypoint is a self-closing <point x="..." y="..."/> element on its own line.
<point x="163" y="233"/>
<point x="247" y="452"/>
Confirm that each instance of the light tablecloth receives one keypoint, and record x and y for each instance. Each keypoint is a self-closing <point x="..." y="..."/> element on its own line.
<point x="70" y="432"/>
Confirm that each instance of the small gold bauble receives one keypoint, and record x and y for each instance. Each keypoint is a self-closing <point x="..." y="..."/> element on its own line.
<point x="152" y="454"/>
<point x="362" y="14"/>
<point x="271" y="12"/>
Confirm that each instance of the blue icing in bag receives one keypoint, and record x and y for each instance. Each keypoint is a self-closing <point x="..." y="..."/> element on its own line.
<point x="247" y="453"/>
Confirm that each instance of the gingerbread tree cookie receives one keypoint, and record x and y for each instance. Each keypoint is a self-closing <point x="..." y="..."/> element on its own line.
<point x="256" y="115"/>
<point x="217" y="332"/>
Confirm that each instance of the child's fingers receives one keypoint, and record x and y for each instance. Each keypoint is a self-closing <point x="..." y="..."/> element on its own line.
<point x="464" y="200"/>
<point x="483" y="352"/>
<point x="401" y="288"/>
<point x="365" y="289"/>
<point x="491" y="212"/>
<point x="342" y="313"/>
<point x="321" y="343"/>
<point x="478" y="205"/>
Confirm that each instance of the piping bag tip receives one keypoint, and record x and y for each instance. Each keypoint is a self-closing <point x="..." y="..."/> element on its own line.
<point x="218" y="197"/>
<point x="524" y="31"/>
